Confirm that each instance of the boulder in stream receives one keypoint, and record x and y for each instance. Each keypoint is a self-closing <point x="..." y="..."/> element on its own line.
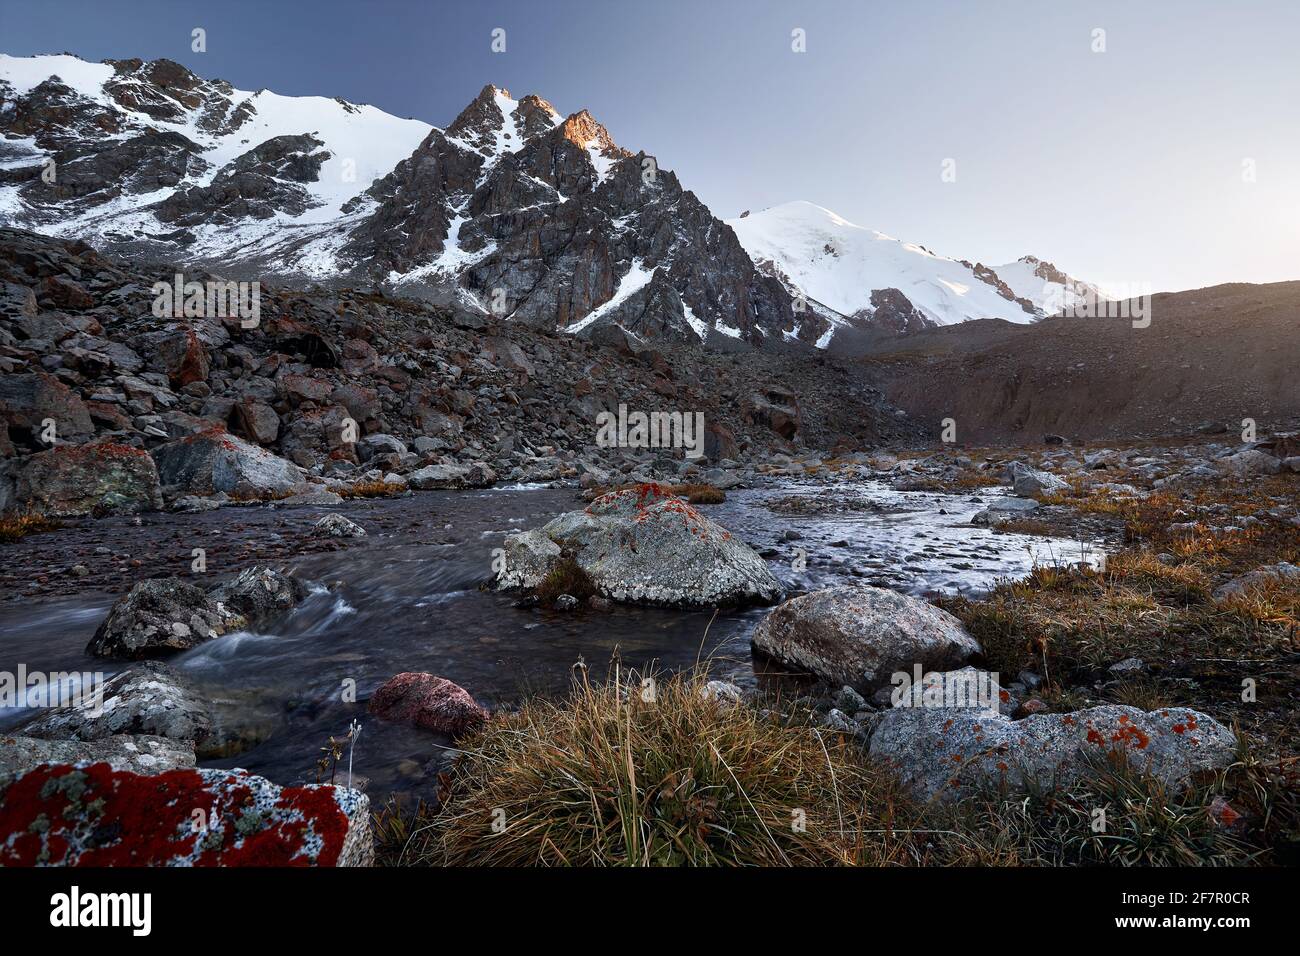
<point x="150" y="698"/>
<point x="424" y="700"/>
<point x="644" y="545"/>
<point x="162" y="616"/>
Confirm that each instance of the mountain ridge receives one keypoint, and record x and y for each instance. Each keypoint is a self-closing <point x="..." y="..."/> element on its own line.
<point x="513" y="209"/>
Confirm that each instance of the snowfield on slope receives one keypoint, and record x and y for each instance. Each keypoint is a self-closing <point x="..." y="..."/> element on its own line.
<point x="364" y="143"/>
<point x="839" y="264"/>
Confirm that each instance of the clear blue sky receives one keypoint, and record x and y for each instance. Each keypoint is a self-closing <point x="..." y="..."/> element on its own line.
<point x="1122" y="166"/>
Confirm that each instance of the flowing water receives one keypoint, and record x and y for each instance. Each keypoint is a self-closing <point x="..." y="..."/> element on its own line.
<point x="407" y="598"/>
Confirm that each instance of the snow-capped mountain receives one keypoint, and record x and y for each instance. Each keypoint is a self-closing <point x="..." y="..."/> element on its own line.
<point x="1050" y="289"/>
<point x="843" y="275"/>
<point x="513" y="208"/>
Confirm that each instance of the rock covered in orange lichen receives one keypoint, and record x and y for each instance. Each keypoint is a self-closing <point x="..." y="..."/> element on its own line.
<point x="644" y="545"/>
<point x="1044" y="750"/>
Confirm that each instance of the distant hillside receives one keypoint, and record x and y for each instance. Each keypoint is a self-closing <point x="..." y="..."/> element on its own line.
<point x="1210" y="358"/>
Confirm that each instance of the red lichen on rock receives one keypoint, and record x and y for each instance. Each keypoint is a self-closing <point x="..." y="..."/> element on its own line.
<point x="96" y="816"/>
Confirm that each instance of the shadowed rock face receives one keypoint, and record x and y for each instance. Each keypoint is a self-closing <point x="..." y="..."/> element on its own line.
<point x="98" y="816"/>
<point x="260" y="183"/>
<point x="859" y="636"/>
<point x="945" y="753"/>
<point x="644" y="546"/>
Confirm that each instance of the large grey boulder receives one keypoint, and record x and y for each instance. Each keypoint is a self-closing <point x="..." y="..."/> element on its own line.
<point x="945" y="753"/>
<point x="1283" y="571"/>
<point x="1250" y="463"/>
<point x="644" y="545"/>
<point x="161" y="616"/>
<point x="138" y="754"/>
<point x="334" y="525"/>
<point x="1030" y="482"/>
<point x="148" y="699"/>
<point x="98" y="478"/>
<point x="214" y="460"/>
<point x="860" y="636"/>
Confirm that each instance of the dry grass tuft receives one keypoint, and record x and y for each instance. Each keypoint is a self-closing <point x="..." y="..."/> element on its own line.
<point x="613" y="776"/>
<point x="567" y="577"/>
<point x="16" y="527"/>
<point x="372" y="489"/>
<point x="609" y="777"/>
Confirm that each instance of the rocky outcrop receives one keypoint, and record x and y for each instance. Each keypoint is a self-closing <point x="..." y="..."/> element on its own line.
<point x="259" y="594"/>
<point x="95" y="815"/>
<point x="643" y="545"/>
<point x="138" y="754"/>
<point x="256" y="185"/>
<point x="860" y="636"/>
<point x="29" y="402"/>
<point x="777" y="408"/>
<point x="945" y="754"/>
<point x="433" y="703"/>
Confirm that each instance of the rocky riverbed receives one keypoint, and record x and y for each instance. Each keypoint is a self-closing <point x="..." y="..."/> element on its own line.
<point x="407" y="597"/>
